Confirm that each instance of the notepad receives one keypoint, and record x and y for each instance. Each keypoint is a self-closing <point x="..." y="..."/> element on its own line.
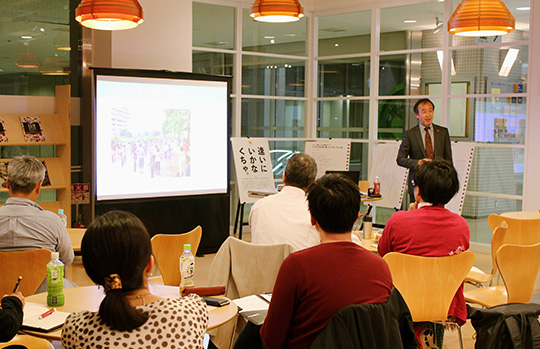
<point x="254" y="308"/>
<point x="31" y="320"/>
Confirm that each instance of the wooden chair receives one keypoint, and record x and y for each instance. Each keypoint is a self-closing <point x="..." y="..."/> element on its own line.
<point x="76" y="235"/>
<point x="363" y="186"/>
<point x="29" y="342"/>
<point x="518" y="266"/>
<point x="31" y="265"/>
<point x="477" y="276"/>
<point x="168" y="248"/>
<point x="245" y="269"/>
<point x="520" y="231"/>
<point x="428" y="284"/>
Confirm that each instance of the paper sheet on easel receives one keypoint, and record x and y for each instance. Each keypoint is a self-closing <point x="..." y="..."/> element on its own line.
<point x="330" y="154"/>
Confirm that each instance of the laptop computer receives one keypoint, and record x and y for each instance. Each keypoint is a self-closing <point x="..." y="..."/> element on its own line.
<point x="353" y="175"/>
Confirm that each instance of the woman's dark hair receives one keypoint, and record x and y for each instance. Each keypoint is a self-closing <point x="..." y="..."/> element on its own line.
<point x="437" y="181"/>
<point x="334" y="202"/>
<point x="117" y="243"/>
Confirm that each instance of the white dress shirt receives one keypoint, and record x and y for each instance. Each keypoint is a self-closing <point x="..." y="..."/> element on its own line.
<point x="283" y="218"/>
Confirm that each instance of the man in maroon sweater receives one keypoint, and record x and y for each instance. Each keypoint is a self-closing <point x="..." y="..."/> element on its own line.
<point x="313" y="284"/>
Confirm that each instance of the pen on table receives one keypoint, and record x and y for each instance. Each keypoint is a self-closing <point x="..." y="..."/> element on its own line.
<point x="16" y="288"/>
<point x="47" y="313"/>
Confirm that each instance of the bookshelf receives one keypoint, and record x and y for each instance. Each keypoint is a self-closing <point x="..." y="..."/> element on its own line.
<point x="57" y="130"/>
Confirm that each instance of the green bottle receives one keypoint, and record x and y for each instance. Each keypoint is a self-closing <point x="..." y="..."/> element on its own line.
<point x="55" y="281"/>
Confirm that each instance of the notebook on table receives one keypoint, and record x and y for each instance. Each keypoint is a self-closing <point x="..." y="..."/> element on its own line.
<point x="32" y="321"/>
<point x="254" y="308"/>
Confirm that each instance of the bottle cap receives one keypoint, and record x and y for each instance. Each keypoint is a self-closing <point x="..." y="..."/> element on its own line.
<point x="367" y="218"/>
<point x="55" y="255"/>
<point x="60" y="210"/>
<point x="187" y="247"/>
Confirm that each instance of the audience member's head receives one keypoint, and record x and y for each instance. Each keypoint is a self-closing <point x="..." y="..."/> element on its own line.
<point x="334" y="203"/>
<point x="436" y="181"/>
<point x="301" y="171"/>
<point x="24" y="174"/>
<point x="116" y="250"/>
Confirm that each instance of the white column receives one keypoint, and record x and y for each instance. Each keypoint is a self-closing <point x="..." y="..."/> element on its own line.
<point x="162" y="41"/>
<point x="531" y="185"/>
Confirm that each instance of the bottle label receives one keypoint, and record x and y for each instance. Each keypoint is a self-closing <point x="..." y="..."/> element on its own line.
<point x="187" y="269"/>
<point x="54" y="274"/>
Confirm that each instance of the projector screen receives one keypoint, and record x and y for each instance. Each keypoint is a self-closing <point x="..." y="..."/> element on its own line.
<point x="160" y="136"/>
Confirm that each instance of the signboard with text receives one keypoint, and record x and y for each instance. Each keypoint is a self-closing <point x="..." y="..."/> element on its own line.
<point x="253" y="166"/>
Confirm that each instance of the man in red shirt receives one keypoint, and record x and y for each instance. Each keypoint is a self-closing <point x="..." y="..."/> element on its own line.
<point x="428" y="229"/>
<point x="313" y="284"/>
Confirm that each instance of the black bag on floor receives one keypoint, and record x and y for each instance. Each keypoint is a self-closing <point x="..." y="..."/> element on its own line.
<point x="512" y="326"/>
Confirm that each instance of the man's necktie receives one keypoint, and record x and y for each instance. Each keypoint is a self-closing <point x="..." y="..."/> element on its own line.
<point x="429" y="145"/>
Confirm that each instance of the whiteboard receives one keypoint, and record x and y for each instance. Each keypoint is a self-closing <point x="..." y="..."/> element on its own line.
<point x="253" y="166"/>
<point x="329" y="154"/>
<point x="393" y="178"/>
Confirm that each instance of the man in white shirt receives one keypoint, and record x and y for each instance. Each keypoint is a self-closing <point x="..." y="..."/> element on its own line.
<point x="24" y="225"/>
<point x="284" y="218"/>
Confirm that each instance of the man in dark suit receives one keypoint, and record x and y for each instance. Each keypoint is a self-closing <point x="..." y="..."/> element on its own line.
<point x="423" y="142"/>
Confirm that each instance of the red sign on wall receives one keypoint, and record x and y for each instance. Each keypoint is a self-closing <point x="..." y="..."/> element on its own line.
<point x="80" y="193"/>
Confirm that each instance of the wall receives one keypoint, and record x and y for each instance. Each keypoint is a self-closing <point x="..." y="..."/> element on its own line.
<point x="162" y="41"/>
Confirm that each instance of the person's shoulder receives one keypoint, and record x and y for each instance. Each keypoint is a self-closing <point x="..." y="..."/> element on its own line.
<point x="80" y="319"/>
<point x="439" y="128"/>
<point x="412" y="129"/>
<point x="186" y="302"/>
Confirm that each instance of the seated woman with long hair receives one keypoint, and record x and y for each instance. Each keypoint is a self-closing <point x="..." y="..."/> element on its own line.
<point x="117" y="254"/>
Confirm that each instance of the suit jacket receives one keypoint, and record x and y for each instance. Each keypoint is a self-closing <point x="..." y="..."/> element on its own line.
<point x="412" y="148"/>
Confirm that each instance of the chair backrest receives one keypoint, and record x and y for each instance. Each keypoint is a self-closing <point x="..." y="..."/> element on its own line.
<point x="497" y="241"/>
<point x="520" y="231"/>
<point x="76" y="235"/>
<point x="31" y="265"/>
<point x="519" y="265"/>
<point x="168" y="248"/>
<point x="27" y="341"/>
<point x="363" y="186"/>
<point x="428" y="284"/>
<point x="245" y="268"/>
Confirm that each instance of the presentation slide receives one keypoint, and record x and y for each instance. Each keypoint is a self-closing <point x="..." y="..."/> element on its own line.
<point x="158" y="137"/>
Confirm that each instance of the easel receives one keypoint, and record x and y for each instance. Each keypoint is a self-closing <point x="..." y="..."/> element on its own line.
<point x="238" y="221"/>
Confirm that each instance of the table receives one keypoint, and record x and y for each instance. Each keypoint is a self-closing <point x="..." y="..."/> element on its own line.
<point x="522" y="214"/>
<point x="368" y="244"/>
<point x="367" y="199"/>
<point x="89" y="297"/>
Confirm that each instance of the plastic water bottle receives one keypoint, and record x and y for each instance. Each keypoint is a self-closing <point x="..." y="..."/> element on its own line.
<point x="55" y="281"/>
<point x="376" y="186"/>
<point x="62" y="216"/>
<point x="187" y="268"/>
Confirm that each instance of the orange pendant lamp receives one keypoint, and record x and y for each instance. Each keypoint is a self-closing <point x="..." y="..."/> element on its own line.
<point x="481" y="18"/>
<point x="276" y="11"/>
<point x="109" y="14"/>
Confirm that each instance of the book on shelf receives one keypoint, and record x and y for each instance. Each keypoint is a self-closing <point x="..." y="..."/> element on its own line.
<point x="3" y="136"/>
<point x="32" y="129"/>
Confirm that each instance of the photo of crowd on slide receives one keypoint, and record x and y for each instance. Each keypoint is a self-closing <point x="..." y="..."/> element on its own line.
<point x="153" y="153"/>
